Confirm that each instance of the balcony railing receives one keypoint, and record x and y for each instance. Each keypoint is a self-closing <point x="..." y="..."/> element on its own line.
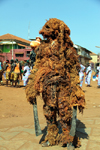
<point x="84" y="54"/>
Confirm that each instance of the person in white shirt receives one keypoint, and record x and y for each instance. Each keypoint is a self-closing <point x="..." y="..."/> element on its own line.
<point x="26" y="74"/>
<point x="88" y="75"/>
<point x="81" y="74"/>
<point x="98" y="71"/>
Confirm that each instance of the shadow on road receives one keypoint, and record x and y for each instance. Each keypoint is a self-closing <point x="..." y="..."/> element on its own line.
<point x="80" y="131"/>
<point x="44" y="131"/>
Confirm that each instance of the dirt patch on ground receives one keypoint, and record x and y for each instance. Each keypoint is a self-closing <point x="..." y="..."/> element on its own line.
<point x="15" y="110"/>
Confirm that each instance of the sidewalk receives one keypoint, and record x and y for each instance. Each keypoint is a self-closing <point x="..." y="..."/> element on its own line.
<point x="23" y="137"/>
<point x="88" y="128"/>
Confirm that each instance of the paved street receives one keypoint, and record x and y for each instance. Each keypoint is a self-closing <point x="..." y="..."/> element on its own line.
<point x="22" y="137"/>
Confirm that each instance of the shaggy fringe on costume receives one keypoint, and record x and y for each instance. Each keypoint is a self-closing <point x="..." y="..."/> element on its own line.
<point x="57" y="64"/>
<point x="55" y="138"/>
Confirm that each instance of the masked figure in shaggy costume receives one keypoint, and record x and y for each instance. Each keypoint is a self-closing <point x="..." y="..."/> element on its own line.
<point x="56" y="75"/>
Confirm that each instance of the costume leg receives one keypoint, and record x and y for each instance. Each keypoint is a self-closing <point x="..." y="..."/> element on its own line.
<point x="68" y="122"/>
<point x="49" y="108"/>
<point x="52" y="130"/>
<point x="65" y="120"/>
<point x="65" y="114"/>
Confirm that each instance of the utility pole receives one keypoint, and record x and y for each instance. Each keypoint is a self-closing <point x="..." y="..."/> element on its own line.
<point x="12" y="49"/>
<point x="29" y="31"/>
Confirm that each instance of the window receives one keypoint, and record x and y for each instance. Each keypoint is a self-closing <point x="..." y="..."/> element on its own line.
<point x="15" y="46"/>
<point x="7" y="46"/>
<point x="27" y="53"/>
<point x="19" y="55"/>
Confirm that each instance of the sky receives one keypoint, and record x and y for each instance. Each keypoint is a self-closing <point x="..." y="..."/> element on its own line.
<point x="24" y="18"/>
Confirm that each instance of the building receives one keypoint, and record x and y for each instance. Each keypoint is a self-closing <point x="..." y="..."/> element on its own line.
<point x="98" y="55"/>
<point x="93" y="61"/>
<point x="84" y="54"/>
<point x="98" y="58"/>
<point x="12" y="47"/>
<point x="94" y="57"/>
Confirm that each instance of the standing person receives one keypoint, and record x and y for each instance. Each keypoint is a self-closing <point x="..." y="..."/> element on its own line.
<point x="21" y="70"/>
<point x="81" y="74"/>
<point x="12" y="72"/>
<point x="98" y="72"/>
<point x="8" y="69"/>
<point x="1" y="72"/>
<point x="32" y="57"/>
<point x="88" y="75"/>
<point x="4" y="66"/>
<point x="26" y="73"/>
<point x="17" y="70"/>
<point x="33" y="45"/>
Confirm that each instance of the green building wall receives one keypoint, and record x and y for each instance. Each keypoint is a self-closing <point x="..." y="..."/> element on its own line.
<point x="7" y="48"/>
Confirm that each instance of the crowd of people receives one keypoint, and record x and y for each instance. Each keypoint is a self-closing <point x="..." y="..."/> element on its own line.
<point x="87" y="72"/>
<point x="13" y="72"/>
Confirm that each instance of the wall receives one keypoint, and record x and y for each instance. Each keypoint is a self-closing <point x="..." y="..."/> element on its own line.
<point x="7" y="48"/>
<point x="15" y="51"/>
<point x="98" y="58"/>
<point x="94" y="58"/>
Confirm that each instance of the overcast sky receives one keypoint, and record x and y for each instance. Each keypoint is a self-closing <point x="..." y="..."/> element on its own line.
<point x="24" y="18"/>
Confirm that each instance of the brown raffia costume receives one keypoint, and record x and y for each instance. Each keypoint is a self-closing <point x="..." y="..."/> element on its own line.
<point x="56" y="76"/>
